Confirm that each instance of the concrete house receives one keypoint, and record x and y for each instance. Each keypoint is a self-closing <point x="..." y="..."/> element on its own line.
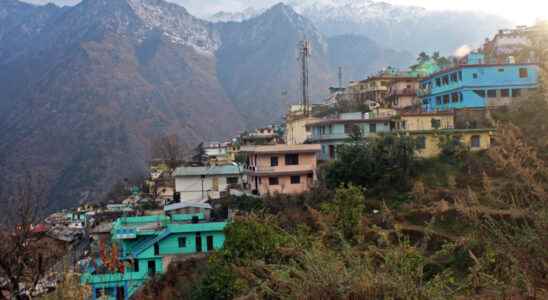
<point x="147" y="245"/>
<point x="476" y="84"/>
<point x="198" y="184"/>
<point x="402" y="93"/>
<point x="331" y="132"/>
<point x="429" y="128"/>
<point x="285" y="169"/>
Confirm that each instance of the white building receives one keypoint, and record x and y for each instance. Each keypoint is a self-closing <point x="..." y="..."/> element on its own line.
<point x="203" y="183"/>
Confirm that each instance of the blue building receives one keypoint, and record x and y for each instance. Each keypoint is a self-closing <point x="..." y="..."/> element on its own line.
<point x="476" y="84"/>
<point x="331" y="132"/>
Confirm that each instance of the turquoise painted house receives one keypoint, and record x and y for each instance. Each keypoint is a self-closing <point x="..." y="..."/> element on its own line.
<point x="331" y="132"/>
<point x="147" y="245"/>
<point x="476" y="84"/>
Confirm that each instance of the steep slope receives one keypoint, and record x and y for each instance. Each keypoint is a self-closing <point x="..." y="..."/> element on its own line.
<point x="106" y="78"/>
<point x="360" y="56"/>
<point x="20" y="22"/>
<point x="257" y="61"/>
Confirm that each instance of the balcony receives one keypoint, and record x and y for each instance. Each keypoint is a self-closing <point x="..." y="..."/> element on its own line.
<point x="422" y="92"/>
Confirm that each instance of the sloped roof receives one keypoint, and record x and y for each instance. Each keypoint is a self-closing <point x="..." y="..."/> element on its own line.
<point x="185" y="204"/>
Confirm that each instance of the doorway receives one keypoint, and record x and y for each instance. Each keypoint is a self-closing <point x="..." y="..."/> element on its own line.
<point x="151" y="268"/>
<point x="209" y="243"/>
<point x="198" y="242"/>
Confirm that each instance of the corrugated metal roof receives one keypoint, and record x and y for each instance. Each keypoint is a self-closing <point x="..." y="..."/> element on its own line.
<point x="185" y="204"/>
<point x="208" y="170"/>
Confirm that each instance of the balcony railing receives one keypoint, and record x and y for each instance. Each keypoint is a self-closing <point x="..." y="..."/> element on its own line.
<point x="424" y="92"/>
<point x="279" y="169"/>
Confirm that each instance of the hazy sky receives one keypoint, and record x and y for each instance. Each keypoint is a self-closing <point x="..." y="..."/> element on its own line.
<point x="523" y="11"/>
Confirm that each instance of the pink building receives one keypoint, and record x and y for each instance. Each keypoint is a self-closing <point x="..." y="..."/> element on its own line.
<point x="285" y="169"/>
<point x="402" y="92"/>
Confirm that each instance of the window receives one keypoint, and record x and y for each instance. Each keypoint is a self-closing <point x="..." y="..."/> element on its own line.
<point x="505" y="93"/>
<point x="372" y="127"/>
<point x="348" y="128"/>
<point x="501" y="69"/>
<point x="273" y="181"/>
<point x="455" y="97"/>
<point x="156" y="249"/>
<point x="438" y="100"/>
<point x="436" y="123"/>
<point x="475" y="75"/>
<point x="295" y="179"/>
<point x="421" y="142"/>
<point x="182" y="242"/>
<point x="475" y="141"/>
<point x="445" y="79"/>
<point x="438" y="81"/>
<point x="460" y="75"/>
<point x="516" y="93"/>
<point x="274" y="161"/>
<point x="480" y="93"/>
<point x="136" y="266"/>
<point x="291" y="159"/>
<point x="454" y="77"/>
<point x="523" y="73"/>
<point x="492" y="93"/>
<point x="232" y="180"/>
<point x="445" y="99"/>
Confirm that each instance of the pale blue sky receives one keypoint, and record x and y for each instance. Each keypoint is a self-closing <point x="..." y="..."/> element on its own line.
<point x="524" y="11"/>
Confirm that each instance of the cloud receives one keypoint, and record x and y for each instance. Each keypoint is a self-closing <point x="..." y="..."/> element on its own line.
<point x="462" y="51"/>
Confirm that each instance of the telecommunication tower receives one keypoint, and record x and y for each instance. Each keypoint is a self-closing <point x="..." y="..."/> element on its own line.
<point x="304" y="58"/>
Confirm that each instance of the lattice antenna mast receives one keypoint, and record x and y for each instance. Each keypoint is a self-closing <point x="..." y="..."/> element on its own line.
<point x="340" y="77"/>
<point x="304" y="59"/>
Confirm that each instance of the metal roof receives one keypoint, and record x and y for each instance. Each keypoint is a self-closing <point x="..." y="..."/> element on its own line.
<point x="185" y="204"/>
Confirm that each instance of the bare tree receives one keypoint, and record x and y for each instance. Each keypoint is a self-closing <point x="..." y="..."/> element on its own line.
<point x="170" y="150"/>
<point x="24" y="254"/>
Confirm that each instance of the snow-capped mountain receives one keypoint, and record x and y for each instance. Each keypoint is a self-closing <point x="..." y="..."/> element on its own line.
<point x="225" y="16"/>
<point x="409" y="28"/>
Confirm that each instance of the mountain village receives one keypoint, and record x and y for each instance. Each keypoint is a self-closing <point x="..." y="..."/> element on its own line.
<point x="176" y="214"/>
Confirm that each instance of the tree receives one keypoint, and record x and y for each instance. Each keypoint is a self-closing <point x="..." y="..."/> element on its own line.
<point x="25" y="255"/>
<point x="423" y="57"/>
<point x="200" y="155"/>
<point x="170" y="150"/>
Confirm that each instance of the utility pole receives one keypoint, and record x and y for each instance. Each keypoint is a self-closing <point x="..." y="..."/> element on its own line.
<point x="304" y="58"/>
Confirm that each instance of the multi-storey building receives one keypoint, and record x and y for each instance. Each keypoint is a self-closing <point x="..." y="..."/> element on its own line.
<point x="199" y="184"/>
<point x="285" y="169"/>
<point x="334" y="131"/>
<point x="477" y="84"/>
<point x="146" y="246"/>
<point x="402" y="93"/>
<point x="432" y="129"/>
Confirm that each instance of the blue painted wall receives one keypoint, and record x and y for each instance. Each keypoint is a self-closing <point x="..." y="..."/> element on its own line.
<point x="456" y="88"/>
<point x="334" y="135"/>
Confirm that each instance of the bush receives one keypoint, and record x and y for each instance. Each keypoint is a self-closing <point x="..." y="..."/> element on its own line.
<point x="379" y="165"/>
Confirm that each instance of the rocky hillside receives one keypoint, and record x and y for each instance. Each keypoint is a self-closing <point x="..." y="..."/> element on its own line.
<point x="107" y="76"/>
